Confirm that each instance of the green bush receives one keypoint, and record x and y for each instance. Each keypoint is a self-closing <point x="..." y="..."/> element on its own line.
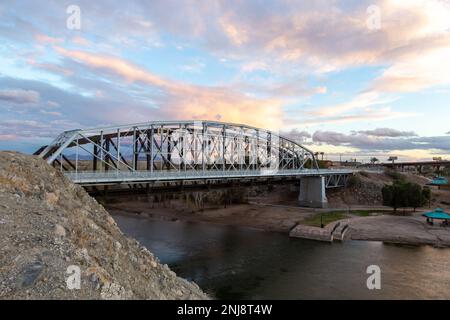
<point x="405" y="195"/>
<point x="353" y="181"/>
<point x="364" y="174"/>
<point x="394" y="174"/>
<point x="426" y="194"/>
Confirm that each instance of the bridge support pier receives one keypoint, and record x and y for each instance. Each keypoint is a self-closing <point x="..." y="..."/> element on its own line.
<point x="312" y="192"/>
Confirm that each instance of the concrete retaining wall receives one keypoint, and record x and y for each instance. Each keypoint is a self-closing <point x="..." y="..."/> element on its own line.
<point x="311" y="233"/>
<point x="332" y="231"/>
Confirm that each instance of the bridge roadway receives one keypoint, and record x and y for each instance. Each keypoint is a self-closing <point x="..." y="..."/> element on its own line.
<point x="134" y="155"/>
<point x="333" y="178"/>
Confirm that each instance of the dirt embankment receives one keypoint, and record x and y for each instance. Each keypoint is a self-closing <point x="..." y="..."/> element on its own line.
<point x="266" y="207"/>
<point x="365" y="189"/>
<point x="48" y="224"/>
<point x="410" y="230"/>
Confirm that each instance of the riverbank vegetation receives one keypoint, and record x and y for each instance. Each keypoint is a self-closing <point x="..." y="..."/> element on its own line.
<point x="325" y="218"/>
<point x="405" y="195"/>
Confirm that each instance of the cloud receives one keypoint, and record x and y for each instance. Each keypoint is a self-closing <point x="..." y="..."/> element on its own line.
<point x="24" y="129"/>
<point x="367" y="105"/>
<point x="194" y="67"/>
<point x="254" y="66"/>
<point x="287" y="89"/>
<point x="296" y="135"/>
<point x="19" y="96"/>
<point x="387" y="132"/>
<point x="51" y="113"/>
<point x="45" y="39"/>
<point x="362" y="100"/>
<point x="336" y="138"/>
<point x="8" y="137"/>
<point x="275" y="51"/>
<point x="180" y="100"/>
<point x="416" y="73"/>
<point x="314" y="36"/>
<point x="77" y="108"/>
<point x="81" y="41"/>
<point x="235" y="33"/>
<point x="373" y="143"/>
<point x="366" y="114"/>
<point x="52" y="68"/>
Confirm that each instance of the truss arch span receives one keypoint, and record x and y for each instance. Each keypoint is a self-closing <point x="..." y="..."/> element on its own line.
<point x="176" y="146"/>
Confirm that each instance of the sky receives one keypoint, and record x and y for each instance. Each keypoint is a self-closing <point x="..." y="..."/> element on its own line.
<point x="353" y="79"/>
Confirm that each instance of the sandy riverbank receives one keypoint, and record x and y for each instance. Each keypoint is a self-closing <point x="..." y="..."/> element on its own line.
<point x="401" y="230"/>
<point x="269" y="218"/>
<point x="410" y="230"/>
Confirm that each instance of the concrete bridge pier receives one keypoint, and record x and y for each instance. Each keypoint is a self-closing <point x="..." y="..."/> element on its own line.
<point x="312" y="192"/>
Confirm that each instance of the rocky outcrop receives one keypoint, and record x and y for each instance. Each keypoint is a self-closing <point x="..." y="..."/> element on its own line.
<point x="50" y="229"/>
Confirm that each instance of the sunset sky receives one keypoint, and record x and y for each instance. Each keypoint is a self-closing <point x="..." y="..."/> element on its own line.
<point x="357" y="78"/>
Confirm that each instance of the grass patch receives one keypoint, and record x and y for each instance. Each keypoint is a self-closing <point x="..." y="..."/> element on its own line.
<point x="327" y="217"/>
<point x="363" y="213"/>
<point x="332" y="216"/>
<point x="367" y="213"/>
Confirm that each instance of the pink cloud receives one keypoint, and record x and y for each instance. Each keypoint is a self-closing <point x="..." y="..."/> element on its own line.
<point x="45" y="39"/>
<point x="188" y="101"/>
<point x="8" y="137"/>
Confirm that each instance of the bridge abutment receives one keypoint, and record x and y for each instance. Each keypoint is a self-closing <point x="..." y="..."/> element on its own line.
<point x="312" y="192"/>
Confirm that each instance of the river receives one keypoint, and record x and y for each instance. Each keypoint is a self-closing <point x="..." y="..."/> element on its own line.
<point x="244" y="263"/>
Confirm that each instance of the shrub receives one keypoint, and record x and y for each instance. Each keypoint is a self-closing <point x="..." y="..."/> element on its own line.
<point x="394" y="174"/>
<point x="405" y="194"/>
<point x="364" y="174"/>
<point x="353" y="181"/>
<point x="426" y="195"/>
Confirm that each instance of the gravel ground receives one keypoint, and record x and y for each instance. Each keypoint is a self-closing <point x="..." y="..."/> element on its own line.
<point x="401" y="230"/>
<point x="48" y="224"/>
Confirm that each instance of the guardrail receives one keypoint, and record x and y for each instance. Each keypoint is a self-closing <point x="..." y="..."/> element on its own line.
<point x="92" y="177"/>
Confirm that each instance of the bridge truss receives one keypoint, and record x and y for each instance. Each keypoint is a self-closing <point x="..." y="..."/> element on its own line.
<point x="179" y="151"/>
<point x="176" y="146"/>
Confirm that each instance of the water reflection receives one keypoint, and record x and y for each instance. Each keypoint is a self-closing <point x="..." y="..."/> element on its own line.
<point x="243" y="263"/>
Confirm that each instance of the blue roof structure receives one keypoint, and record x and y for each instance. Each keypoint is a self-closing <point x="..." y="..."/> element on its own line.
<point x="439" y="181"/>
<point x="437" y="214"/>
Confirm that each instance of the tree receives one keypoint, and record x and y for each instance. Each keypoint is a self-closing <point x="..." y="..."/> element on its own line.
<point x="353" y="181"/>
<point x="414" y="195"/>
<point x="374" y="160"/>
<point x="426" y="196"/>
<point x="404" y="194"/>
<point x="391" y="196"/>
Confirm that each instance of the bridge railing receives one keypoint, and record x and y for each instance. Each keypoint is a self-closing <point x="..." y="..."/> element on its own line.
<point x="124" y="176"/>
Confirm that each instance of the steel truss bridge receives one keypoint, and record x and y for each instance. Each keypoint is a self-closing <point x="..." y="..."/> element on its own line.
<point x="171" y="151"/>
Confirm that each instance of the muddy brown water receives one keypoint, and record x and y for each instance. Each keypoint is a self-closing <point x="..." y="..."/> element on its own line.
<point x="244" y="263"/>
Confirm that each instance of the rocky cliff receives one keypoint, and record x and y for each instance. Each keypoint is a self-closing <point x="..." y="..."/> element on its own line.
<point x="51" y="228"/>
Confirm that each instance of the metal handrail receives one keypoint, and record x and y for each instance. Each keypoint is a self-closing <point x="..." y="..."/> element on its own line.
<point x="117" y="175"/>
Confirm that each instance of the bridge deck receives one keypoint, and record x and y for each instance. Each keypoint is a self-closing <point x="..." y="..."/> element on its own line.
<point x="110" y="177"/>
